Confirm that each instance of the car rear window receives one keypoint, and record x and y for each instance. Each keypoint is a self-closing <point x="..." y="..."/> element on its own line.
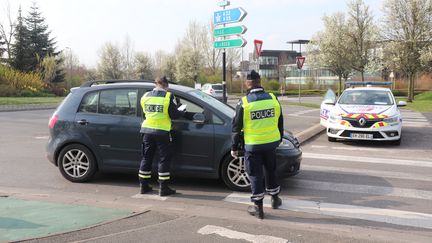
<point x="217" y="87"/>
<point x="113" y="102"/>
<point x="89" y="103"/>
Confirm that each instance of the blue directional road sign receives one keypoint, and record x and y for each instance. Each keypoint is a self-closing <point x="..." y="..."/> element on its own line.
<point x="229" y="16"/>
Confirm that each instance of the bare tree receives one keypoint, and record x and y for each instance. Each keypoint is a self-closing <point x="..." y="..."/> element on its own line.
<point x="7" y="31"/>
<point x="408" y="30"/>
<point x="111" y="63"/>
<point x="212" y="56"/>
<point x="189" y="53"/>
<point x="362" y="34"/>
<point x="128" y="54"/>
<point x="143" y="66"/>
<point x="330" y="48"/>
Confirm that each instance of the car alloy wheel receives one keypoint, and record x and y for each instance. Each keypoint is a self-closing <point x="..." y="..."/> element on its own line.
<point x="234" y="174"/>
<point x="76" y="163"/>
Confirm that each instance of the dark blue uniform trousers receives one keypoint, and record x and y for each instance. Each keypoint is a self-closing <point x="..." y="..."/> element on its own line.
<point x="258" y="164"/>
<point x="152" y="143"/>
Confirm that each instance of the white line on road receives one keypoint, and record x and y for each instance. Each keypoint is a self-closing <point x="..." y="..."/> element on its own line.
<point x="346" y="148"/>
<point x="231" y="234"/>
<point x="150" y="196"/>
<point x="390" y="216"/>
<point x="42" y="137"/>
<point x="299" y="113"/>
<point x="352" y="171"/>
<point x="370" y="160"/>
<point x="361" y="189"/>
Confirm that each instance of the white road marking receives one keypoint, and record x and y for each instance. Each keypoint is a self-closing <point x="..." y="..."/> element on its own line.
<point x="362" y="189"/>
<point x="370" y="160"/>
<point x="353" y="171"/>
<point x="390" y="216"/>
<point x="42" y="137"/>
<point x="150" y="196"/>
<point x="347" y="148"/>
<point x="299" y="113"/>
<point x="231" y="234"/>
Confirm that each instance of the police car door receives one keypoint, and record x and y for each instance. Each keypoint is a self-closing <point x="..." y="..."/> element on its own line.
<point x="326" y="106"/>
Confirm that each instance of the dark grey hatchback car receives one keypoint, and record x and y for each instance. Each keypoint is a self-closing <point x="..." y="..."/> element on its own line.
<point x="97" y="126"/>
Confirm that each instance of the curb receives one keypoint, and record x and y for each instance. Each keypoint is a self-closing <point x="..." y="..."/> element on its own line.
<point x="8" y="108"/>
<point x="309" y="133"/>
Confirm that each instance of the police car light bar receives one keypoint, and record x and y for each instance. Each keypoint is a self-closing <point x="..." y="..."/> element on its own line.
<point x="367" y="83"/>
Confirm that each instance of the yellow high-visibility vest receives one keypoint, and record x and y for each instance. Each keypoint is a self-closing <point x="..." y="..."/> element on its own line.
<point x="260" y="121"/>
<point x="156" y="111"/>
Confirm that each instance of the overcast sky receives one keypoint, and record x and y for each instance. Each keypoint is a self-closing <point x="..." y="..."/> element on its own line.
<point x="85" y="25"/>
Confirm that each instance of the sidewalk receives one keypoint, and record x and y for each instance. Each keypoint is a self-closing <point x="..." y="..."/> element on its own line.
<point x="27" y="107"/>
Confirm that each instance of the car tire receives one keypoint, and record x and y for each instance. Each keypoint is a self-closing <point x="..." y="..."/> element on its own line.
<point x="330" y="139"/>
<point x="234" y="175"/>
<point x="76" y="163"/>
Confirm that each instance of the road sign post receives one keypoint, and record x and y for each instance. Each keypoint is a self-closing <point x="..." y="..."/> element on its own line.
<point x="300" y="62"/>
<point x="223" y="17"/>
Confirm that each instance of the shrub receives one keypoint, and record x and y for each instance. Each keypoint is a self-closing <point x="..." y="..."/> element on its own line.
<point x="17" y="83"/>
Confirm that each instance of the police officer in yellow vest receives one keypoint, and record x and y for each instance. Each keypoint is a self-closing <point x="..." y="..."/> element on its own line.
<point x="158" y="110"/>
<point x="259" y="117"/>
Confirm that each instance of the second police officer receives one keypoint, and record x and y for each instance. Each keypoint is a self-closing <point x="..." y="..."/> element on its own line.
<point x="158" y="110"/>
<point x="259" y="116"/>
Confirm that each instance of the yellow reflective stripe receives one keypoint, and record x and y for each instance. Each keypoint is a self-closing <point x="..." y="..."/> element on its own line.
<point x="164" y="178"/>
<point x="144" y="176"/>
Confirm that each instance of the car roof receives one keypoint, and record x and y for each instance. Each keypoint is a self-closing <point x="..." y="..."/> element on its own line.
<point x="368" y="88"/>
<point x="128" y="83"/>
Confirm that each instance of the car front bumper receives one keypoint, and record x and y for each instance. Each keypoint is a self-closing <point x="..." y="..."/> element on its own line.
<point x="389" y="132"/>
<point x="288" y="161"/>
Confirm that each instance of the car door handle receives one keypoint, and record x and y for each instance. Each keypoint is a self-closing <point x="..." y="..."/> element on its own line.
<point x="83" y="122"/>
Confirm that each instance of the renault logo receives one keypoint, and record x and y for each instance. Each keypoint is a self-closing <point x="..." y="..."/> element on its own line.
<point x="362" y="121"/>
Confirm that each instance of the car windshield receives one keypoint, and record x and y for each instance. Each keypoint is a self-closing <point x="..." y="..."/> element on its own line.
<point x="217" y="87"/>
<point x="226" y="109"/>
<point x="366" y="97"/>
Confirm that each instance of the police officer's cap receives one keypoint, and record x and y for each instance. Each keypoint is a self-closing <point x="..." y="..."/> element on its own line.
<point x="253" y="75"/>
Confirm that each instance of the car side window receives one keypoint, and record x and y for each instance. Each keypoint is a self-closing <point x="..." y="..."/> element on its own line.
<point x="190" y="106"/>
<point x="89" y="103"/>
<point x="118" y="102"/>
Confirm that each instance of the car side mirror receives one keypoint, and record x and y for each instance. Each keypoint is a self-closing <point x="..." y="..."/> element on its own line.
<point x="401" y="103"/>
<point x="329" y="102"/>
<point x="199" y="118"/>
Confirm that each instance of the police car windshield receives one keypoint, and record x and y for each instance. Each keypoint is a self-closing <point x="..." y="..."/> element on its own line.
<point x="226" y="109"/>
<point x="366" y="97"/>
<point x="217" y="87"/>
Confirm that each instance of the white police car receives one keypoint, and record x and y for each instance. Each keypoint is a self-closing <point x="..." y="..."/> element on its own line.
<point x="362" y="113"/>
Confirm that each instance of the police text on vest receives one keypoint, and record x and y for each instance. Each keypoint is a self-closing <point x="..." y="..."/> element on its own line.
<point x="262" y="114"/>
<point x="153" y="108"/>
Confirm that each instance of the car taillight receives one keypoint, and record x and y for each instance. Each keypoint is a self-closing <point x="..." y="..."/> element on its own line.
<point x="52" y="121"/>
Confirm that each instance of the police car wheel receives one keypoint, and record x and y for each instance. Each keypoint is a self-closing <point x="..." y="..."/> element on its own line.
<point x="234" y="174"/>
<point x="330" y="139"/>
<point x="76" y="163"/>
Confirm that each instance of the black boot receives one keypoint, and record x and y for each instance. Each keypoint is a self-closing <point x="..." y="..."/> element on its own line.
<point x="257" y="210"/>
<point x="165" y="190"/>
<point x="145" y="188"/>
<point x="276" y="201"/>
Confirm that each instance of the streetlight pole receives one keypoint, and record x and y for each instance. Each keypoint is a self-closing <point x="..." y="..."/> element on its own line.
<point x="69" y="82"/>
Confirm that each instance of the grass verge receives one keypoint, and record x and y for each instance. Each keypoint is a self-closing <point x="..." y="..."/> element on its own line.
<point x="422" y="102"/>
<point x="29" y="100"/>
